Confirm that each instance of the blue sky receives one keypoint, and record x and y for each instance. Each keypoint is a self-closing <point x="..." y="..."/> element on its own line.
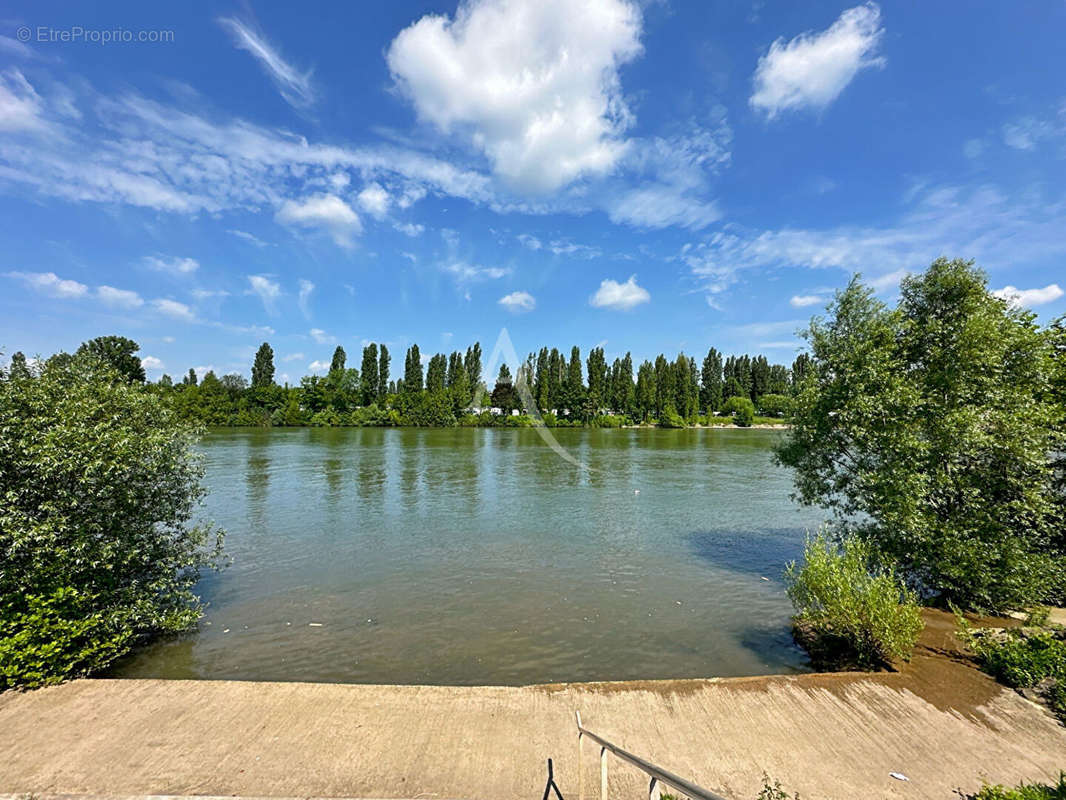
<point x="650" y="177"/>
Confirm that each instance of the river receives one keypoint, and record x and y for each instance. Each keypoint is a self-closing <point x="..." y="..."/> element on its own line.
<point x="481" y="556"/>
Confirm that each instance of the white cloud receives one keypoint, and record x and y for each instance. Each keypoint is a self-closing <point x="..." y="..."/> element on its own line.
<point x="323" y="211"/>
<point x="294" y="357"/>
<point x="469" y="272"/>
<point x="173" y="266"/>
<point x="1000" y="231"/>
<point x="374" y="200"/>
<point x="531" y="242"/>
<point x="248" y="237"/>
<point x="294" y="85"/>
<point x="319" y="366"/>
<point x="1027" y="133"/>
<point x="51" y="284"/>
<point x="804" y="300"/>
<point x="813" y="68"/>
<point x="207" y="294"/>
<point x="564" y="247"/>
<point x="411" y="229"/>
<point x="321" y="337"/>
<point x="118" y="298"/>
<point x="20" y="105"/>
<point x="151" y="362"/>
<point x="1028" y="298"/>
<point x="518" y="302"/>
<point x="172" y="308"/>
<point x="534" y="82"/>
<point x="306" y="287"/>
<point x="619" y="296"/>
<point x="267" y="290"/>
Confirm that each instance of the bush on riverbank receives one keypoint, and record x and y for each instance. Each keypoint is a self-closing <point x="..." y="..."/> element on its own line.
<point x="1031" y="659"/>
<point x="850" y="611"/>
<point x="1024" y="791"/>
<point x="99" y="550"/>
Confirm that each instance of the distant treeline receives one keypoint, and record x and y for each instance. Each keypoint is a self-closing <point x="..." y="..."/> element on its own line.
<point x="450" y="390"/>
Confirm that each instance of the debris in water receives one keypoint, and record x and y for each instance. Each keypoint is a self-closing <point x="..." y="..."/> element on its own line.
<point x="314" y="624"/>
<point x="762" y="578"/>
<point x="899" y="776"/>
<point x="226" y="630"/>
<point x="678" y="602"/>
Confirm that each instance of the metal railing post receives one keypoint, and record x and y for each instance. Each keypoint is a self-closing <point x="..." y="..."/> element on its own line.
<point x="603" y="773"/>
<point x="653" y="790"/>
<point x="580" y="761"/>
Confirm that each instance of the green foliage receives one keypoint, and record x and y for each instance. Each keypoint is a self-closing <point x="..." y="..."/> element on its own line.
<point x="263" y="367"/>
<point x="1024" y="791"/>
<point x="927" y="430"/>
<point x="1020" y="658"/>
<point x="774" y="791"/>
<point x="850" y="610"/>
<point x="742" y="409"/>
<point x="98" y="485"/>
<point x="775" y="405"/>
<point x="116" y="352"/>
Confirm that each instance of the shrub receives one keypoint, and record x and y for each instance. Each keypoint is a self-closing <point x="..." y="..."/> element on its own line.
<point x="851" y="612"/>
<point x="742" y="409"/>
<point x="1025" y="791"/>
<point x="775" y="405"/>
<point x="98" y="485"/>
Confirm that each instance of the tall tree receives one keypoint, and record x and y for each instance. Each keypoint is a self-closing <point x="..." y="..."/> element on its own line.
<point x="18" y="368"/>
<point x="384" y="361"/>
<point x="190" y="379"/>
<point x="339" y="359"/>
<point x="368" y="374"/>
<point x="263" y="367"/>
<point x="117" y="352"/>
<point x="473" y="367"/>
<point x="436" y="372"/>
<point x="927" y="428"/>
<point x="711" y="382"/>
<point x="597" y="378"/>
<point x="503" y="393"/>
<point x="412" y="370"/>
<point x="646" y="390"/>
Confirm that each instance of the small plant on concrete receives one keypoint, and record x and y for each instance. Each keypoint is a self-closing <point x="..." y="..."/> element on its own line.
<point x="1025" y="791"/>
<point x="851" y="611"/>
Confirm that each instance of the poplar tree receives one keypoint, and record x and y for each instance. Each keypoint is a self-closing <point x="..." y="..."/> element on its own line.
<point x="412" y="370"/>
<point x="369" y="374"/>
<point x="384" y="359"/>
<point x="263" y="367"/>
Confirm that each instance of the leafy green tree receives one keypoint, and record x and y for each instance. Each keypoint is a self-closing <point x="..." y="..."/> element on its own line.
<point x="263" y="367"/>
<point x="774" y="405"/>
<point x="166" y="381"/>
<point x="646" y="391"/>
<point x="597" y="378"/>
<point x="97" y="539"/>
<point x="711" y="381"/>
<point x="190" y="378"/>
<point x="118" y="352"/>
<point x="18" y="369"/>
<point x="384" y="359"/>
<point x="412" y="371"/>
<point x="340" y="358"/>
<point x="742" y="409"/>
<point x="472" y="362"/>
<point x="927" y="430"/>
<point x="368" y="374"/>
<point x="760" y="377"/>
<point x="802" y="367"/>
<point x="504" y="396"/>
<point x="436" y="373"/>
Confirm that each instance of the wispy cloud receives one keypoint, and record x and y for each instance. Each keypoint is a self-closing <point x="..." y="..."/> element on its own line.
<point x="306" y="288"/>
<point x="295" y="86"/>
<point x="172" y="265"/>
<point x="266" y="289"/>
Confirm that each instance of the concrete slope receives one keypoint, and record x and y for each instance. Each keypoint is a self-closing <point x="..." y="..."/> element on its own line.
<point x="825" y="736"/>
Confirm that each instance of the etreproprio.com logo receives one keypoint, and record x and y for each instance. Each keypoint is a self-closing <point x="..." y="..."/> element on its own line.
<point x="77" y="34"/>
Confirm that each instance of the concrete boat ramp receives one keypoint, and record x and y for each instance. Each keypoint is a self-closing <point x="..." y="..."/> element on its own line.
<point x="939" y="722"/>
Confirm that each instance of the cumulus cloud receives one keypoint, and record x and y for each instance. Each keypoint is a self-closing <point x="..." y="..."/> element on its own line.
<point x="172" y="308"/>
<point x="804" y="300"/>
<point x="172" y="266"/>
<point x="322" y="211"/>
<point x="151" y="362"/>
<point x="267" y="290"/>
<point x="49" y="283"/>
<point x="321" y="337"/>
<point x="813" y="68"/>
<point x="374" y="200"/>
<point x="319" y="366"/>
<point x="619" y="296"/>
<point x="411" y="229"/>
<point x="518" y="302"/>
<point x="1028" y="298"/>
<point x="534" y="83"/>
<point x="118" y="298"/>
<point x="295" y="86"/>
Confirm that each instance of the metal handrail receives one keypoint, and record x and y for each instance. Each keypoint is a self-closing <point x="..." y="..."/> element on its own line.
<point x="657" y="774"/>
